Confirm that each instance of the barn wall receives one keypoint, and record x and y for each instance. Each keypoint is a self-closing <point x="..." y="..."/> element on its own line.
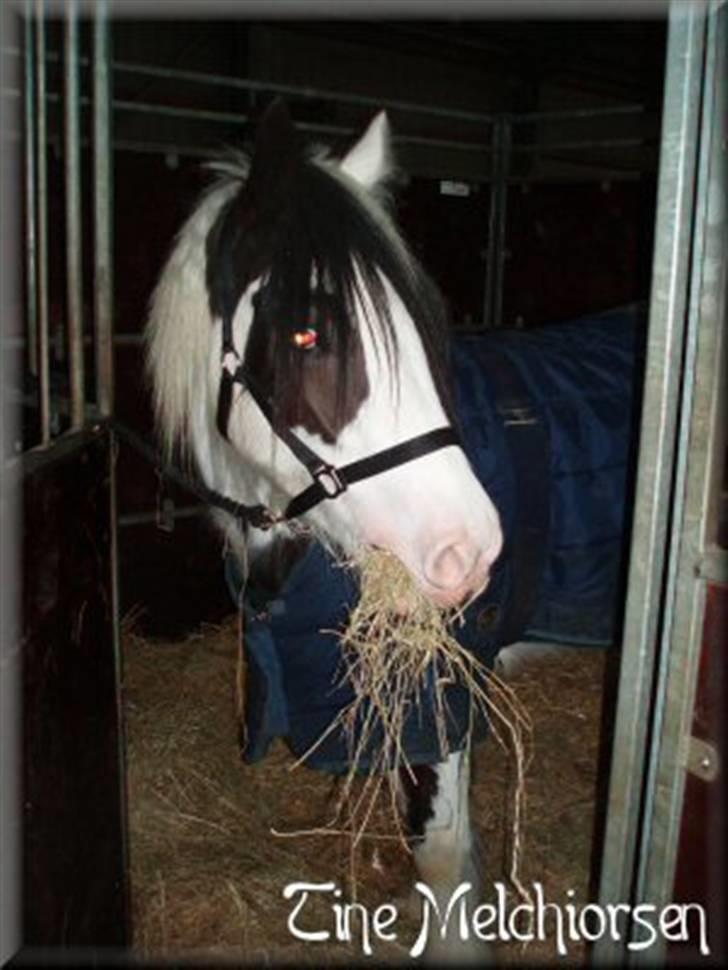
<point x="373" y="66"/>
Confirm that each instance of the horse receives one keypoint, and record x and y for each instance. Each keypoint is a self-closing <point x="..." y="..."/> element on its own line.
<point x="300" y="358"/>
<point x="297" y="354"/>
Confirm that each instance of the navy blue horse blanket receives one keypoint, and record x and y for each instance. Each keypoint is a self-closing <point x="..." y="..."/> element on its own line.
<point x="547" y="418"/>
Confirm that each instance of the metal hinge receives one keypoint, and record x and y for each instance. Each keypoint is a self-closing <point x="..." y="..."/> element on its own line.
<point x="703" y="759"/>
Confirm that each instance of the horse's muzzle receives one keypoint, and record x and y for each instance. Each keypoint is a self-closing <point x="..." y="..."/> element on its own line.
<point x="456" y="571"/>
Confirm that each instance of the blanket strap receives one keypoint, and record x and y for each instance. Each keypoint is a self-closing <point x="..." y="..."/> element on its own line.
<point x="527" y="434"/>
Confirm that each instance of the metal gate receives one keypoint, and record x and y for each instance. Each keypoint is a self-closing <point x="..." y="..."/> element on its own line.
<point x="63" y="816"/>
<point x="679" y="562"/>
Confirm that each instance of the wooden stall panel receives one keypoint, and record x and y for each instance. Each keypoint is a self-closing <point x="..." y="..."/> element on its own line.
<point x="73" y="841"/>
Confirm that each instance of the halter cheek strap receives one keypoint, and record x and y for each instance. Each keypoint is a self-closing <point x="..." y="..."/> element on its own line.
<point x="328" y="481"/>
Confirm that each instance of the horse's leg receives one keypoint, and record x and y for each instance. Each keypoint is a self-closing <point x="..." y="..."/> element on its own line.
<point x="437" y="805"/>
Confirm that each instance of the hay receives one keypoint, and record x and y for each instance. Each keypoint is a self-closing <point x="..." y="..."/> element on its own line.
<point x="398" y="648"/>
<point x="205" y="874"/>
<point x="183" y="754"/>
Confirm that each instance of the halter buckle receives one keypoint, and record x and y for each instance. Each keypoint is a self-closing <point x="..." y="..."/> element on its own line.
<point x="230" y="361"/>
<point x="330" y="481"/>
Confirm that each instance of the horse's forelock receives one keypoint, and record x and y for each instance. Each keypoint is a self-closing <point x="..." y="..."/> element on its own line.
<point x="329" y="229"/>
<point x="326" y="227"/>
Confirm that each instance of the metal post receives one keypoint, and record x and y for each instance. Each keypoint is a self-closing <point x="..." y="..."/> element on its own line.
<point x="72" y="122"/>
<point x="103" y="255"/>
<point x="29" y="160"/>
<point x="493" y="299"/>
<point x="700" y="464"/>
<point x="670" y="281"/>
<point x="41" y="221"/>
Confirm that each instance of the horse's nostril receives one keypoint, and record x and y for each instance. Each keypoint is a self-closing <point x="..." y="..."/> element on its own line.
<point x="450" y="566"/>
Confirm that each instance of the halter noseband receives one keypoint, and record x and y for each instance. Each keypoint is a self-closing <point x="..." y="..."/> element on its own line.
<point x="328" y="481"/>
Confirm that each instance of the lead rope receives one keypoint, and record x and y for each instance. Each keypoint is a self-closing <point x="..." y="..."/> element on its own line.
<point x="240" y="675"/>
<point x="258" y="516"/>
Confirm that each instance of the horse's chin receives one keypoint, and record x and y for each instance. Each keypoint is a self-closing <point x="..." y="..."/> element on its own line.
<point x="458" y="598"/>
<point x="445" y="600"/>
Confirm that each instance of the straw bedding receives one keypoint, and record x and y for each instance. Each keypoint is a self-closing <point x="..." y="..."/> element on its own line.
<point x="207" y="873"/>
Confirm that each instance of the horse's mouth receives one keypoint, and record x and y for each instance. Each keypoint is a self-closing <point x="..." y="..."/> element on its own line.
<point x="457" y="598"/>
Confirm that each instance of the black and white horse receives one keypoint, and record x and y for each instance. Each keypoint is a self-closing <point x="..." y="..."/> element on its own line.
<point x="297" y="353"/>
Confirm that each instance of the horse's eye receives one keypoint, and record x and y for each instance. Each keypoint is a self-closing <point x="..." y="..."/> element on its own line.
<point x="305" y="339"/>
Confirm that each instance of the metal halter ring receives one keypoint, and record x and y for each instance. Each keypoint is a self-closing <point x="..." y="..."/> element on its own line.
<point x="330" y="481"/>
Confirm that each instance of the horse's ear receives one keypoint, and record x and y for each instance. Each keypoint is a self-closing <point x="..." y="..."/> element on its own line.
<point x="276" y="152"/>
<point x="369" y="161"/>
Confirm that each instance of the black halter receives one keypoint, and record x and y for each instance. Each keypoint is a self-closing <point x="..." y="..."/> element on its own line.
<point x="328" y="481"/>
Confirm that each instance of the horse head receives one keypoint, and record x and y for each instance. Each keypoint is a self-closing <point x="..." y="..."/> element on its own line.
<point x="299" y="280"/>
